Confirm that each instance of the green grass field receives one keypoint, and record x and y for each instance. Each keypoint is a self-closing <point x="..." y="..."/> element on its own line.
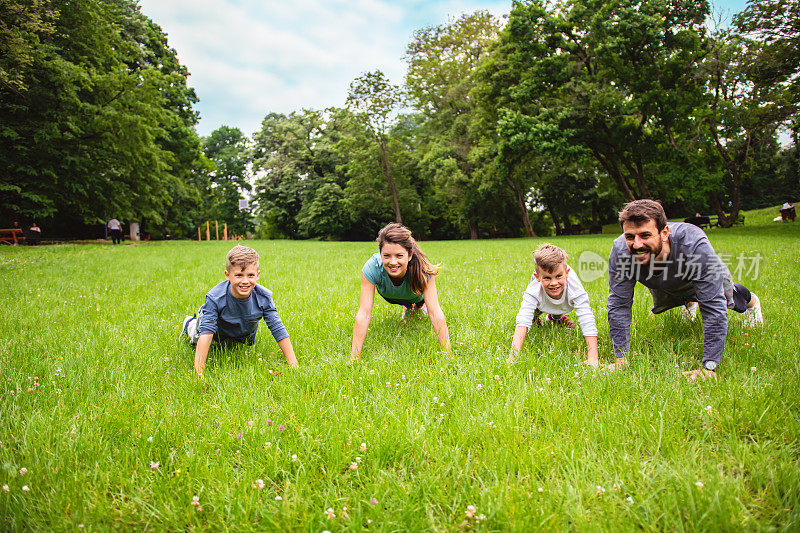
<point x="104" y="425"/>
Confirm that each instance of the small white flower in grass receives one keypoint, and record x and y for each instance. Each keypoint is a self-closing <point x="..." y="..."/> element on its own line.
<point x="23" y="471"/>
<point x="600" y="490"/>
<point x="251" y="423"/>
<point x="278" y="498"/>
<point x="294" y="457"/>
<point x="259" y="484"/>
<point x="150" y="438"/>
<point x="80" y="526"/>
<point x="699" y="484"/>
<point x="353" y="466"/>
<point x="753" y="369"/>
<point x="195" y="500"/>
<point x="358" y="459"/>
<point x="363" y="447"/>
<point x="73" y="431"/>
<point x="344" y="513"/>
<point x="5" y="488"/>
<point x="617" y="487"/>
<point x="267" y="444"/>
<point x="708" y="409"/>
<point x="540" y="489"/>
<point x="629" y="499"/>
<point x="25" y="488"/>
<point x="435" y="399"/>
<point x="329" y="514"/>
<point x="480" y="387"/>
<point x="154" y="464"/>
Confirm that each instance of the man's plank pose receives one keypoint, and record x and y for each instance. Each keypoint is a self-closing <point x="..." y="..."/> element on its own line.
<point x="680" y="267"/>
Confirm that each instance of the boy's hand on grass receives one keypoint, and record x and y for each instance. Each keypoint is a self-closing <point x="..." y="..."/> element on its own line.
<point x="701" y="373"/>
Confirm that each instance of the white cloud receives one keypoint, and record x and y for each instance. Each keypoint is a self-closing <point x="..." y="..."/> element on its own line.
<point x="248" y="58"/>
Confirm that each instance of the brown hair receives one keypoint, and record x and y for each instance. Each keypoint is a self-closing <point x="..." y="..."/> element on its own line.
<point x="548" y="256"/>
<point x="241" y="256"/>
<point x="419" y="268"/>
<point x="640" y="211"/>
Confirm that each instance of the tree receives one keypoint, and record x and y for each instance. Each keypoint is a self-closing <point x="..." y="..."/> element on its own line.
<point x="227" y="148"/>
<point x="85" y="117"/>
<point x="756" y="91"/>
<point x="442" y="61"/>
<point x="375" y="101"/>
<point x="615" y="79"/>
<point x="297" y="157"/>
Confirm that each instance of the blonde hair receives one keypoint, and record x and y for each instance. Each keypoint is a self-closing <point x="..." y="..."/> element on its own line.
<point x="241" y="256"/>
<point x="419" y="268"/>
<point x="548" y="256"/>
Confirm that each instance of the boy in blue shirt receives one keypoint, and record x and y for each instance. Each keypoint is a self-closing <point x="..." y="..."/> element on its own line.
<point x="233" y="308"/>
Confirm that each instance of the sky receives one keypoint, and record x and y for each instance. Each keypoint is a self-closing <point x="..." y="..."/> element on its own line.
<point x="248" y="58"/>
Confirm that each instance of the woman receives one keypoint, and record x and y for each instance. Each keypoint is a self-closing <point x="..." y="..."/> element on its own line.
<point x="402" y="275"/>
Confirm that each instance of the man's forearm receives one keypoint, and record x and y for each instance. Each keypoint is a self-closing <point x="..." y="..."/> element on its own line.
<point x="715" y="331"/>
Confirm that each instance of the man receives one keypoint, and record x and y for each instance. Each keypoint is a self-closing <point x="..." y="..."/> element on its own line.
<point x="678" y="264"/>
<point x="116" y="230"/>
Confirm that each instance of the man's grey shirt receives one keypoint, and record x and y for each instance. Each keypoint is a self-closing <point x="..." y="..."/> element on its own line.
<point x="693" y="272"/>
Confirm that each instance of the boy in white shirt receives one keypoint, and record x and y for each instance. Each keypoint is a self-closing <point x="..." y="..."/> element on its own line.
<point x="555" y="290"/>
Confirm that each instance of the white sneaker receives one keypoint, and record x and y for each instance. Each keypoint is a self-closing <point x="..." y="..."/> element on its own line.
<point x="753" y="316"/>
<point x="689" y="311"/>
<point x="190" y="324"/>
<point x="185" y="324"/>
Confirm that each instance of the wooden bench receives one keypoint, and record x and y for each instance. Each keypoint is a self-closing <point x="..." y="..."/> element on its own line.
<point x="11" y="235"/>
<point x="701" y="222"/>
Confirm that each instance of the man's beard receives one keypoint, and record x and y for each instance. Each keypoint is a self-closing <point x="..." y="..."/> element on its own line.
<point x="653" y="253"/>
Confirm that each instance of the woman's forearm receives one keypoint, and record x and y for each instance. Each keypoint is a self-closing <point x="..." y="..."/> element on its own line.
<point x="359" y="333"/>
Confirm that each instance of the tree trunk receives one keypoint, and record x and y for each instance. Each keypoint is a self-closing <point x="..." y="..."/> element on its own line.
<point x="523" y="209"/>
<point x="554" y="217"/>
<point x="387" y="171"/>
<point x="473" y="229"/>
<point x="595" y="214"/>
<point x="616" y="175"/>
<point x="722" y="218"/>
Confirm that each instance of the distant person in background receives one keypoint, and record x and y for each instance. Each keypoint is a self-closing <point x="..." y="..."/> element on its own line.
<point x="34" y="235"/>
<point x="788" y="212"/>
<point x="115" y="229"/>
